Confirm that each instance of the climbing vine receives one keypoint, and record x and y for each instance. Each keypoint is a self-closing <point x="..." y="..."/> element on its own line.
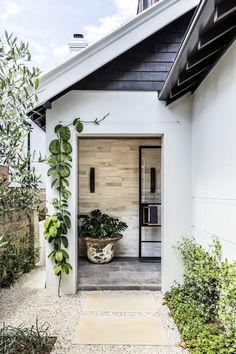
<point x="57" y="225"/>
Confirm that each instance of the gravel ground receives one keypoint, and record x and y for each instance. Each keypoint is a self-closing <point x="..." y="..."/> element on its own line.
<point x="28" y="300"/>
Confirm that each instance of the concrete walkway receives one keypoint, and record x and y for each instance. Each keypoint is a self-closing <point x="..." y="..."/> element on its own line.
<point x="28" y="300"/>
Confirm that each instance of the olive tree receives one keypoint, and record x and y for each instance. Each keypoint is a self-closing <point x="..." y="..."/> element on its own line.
<point x="18" y="96"/>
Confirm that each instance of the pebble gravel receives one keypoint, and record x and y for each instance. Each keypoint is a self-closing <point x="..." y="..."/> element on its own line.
<point x="28" y="300"/>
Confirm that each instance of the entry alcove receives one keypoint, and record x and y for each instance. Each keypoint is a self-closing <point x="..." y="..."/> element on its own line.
<point x="116" y="190"/>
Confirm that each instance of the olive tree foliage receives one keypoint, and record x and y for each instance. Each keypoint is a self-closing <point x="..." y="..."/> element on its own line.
<point x="18" y="96"/>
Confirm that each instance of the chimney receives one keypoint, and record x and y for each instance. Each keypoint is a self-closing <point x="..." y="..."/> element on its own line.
<point x="77" y="43"/>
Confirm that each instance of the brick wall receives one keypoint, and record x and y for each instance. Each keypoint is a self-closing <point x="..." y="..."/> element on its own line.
<point x="116" y="163"/>
<point x="15" y="226"/>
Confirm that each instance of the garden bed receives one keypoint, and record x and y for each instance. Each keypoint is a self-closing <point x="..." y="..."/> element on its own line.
<point x="24" y="340"/>
<point x="204" y="307"/>
<point x="16" y="258"/>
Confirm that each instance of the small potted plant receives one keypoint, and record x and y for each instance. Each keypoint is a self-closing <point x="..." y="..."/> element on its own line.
<point x="100" y="232"/>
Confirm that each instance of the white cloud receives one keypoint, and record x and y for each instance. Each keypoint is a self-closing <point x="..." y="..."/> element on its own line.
<point x="38" y="59"/>
<point x="60" y="51"/>
<point x="126" y="9"/>
<point x="36" y="46"/>
<point x="11" y="9"/>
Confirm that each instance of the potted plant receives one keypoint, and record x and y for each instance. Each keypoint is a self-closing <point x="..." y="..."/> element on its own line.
<point x="100" y="232"/>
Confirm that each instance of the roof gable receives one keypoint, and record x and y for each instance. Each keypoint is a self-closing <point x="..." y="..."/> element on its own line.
<point x="143" y="67"/>
<point x="113" y="45"/>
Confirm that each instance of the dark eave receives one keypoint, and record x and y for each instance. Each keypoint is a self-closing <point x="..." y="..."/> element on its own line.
<point x="38" y="116"/>
<point x="211" y="32"/>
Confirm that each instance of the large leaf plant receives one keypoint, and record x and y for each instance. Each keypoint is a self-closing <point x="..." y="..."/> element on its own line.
<point x="58" y="224"/>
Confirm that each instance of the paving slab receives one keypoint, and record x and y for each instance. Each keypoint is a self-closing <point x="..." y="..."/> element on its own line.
<point x="122" y="302"/>
<point x="109" y="330"/>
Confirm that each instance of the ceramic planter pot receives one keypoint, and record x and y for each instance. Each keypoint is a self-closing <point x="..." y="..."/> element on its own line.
<point x="101" y="251"/>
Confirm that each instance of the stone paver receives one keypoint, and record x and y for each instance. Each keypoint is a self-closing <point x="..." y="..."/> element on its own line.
<point x="28" y="300"/>
<point x="122" y="273"/>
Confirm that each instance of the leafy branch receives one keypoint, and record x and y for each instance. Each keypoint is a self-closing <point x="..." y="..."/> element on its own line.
<point x="18" y="91"/>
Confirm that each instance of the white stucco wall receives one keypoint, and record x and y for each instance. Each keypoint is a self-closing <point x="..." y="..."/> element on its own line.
<point x="213" y="154"/>
<point x="134" y="114"/>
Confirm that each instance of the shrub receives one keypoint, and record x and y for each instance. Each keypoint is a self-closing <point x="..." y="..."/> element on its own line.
<point x="16" y="259"/>
<point x="34" y="340"/>
<point x="98" y="225"/>
<point x="201" y="274"/>
<point x="204" y="306"/>
<point x="227" y="298"/>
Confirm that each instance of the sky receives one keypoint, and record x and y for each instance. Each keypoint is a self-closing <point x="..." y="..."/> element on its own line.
<point x="48" y="25"/>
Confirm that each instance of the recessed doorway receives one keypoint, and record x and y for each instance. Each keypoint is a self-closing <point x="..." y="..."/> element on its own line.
<point x="121" y="191"/>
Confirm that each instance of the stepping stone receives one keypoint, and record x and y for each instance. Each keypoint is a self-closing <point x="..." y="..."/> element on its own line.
<point x="110" y="302"/>
<point x="120" y="331"/>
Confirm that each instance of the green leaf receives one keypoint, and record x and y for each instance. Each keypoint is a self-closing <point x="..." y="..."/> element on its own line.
<point x="51" y="170"/>
<point x="57" y="224"/>
<point x="64" y="133"/>
<point x="67" y="147"/>
<point x="52" y="231"/>
<point x="75" y="121"/>
<point x="67" y="164"/>
<point x="36" y="84"/>
<point x="66" y="212"/>
<point x="79" y="127"/>
<point x="65" y="254"/>
<point x="66" y="267"/>
<point x="59" y="256"/>
<point x="64" y="182"/>
<point x="67" y="221"/>
<point x="65" y="156"/>
<point x="53" y="160"/>
<point x="66" y="193"/>
<point x="64" y="171"/>
<point x="54" y="182"/>
<point x="46" y="235"/>
<point x="57" y="128"/>
<point x="57" y="269"/>
<point x="55" y="147"/>
<point x="47" y="222"/>
<point x="65" y="241"/>
<point x="52" y="254"/>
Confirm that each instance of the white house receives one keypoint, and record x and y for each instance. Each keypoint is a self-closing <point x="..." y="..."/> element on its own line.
<point x="168" y="79"/>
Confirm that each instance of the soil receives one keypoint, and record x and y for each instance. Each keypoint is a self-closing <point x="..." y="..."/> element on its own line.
<point x="51" y="343"/>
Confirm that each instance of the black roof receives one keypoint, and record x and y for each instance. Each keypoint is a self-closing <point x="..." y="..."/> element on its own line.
<point x="211" y="32"/>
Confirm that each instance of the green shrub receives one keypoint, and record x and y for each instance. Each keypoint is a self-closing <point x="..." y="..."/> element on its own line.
<point x="227" y="298"/>
<point x="16" y="259"/>
<point x="204" y="306"/>
<point x="201" y="274"/>
<point x="33" y="340"/>
<point x="98" y="225"/>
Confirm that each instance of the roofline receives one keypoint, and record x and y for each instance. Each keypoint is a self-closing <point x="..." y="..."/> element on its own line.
<point x="214" y="22"/>
<point x="111" y="46"/>
<point x="183" y="50"/>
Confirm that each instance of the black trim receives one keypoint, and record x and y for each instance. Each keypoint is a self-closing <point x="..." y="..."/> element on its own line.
<point x="141" y="208"/>
<point x="152" y="179"/>
<point x="92" y="179"/>
<point x="211" y="33"/>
